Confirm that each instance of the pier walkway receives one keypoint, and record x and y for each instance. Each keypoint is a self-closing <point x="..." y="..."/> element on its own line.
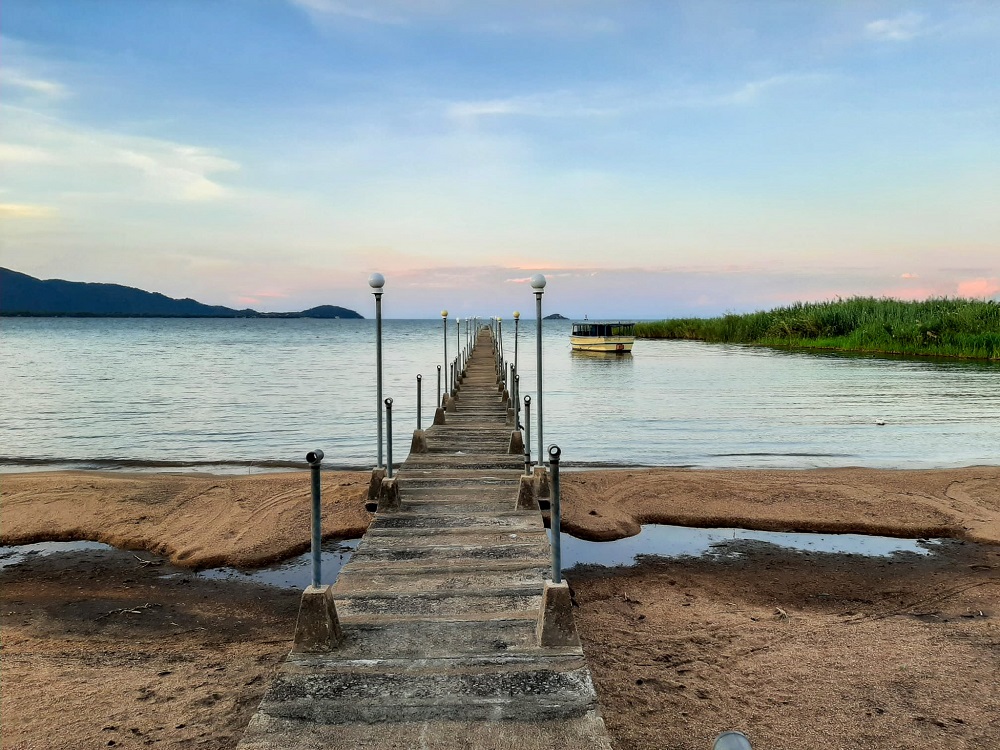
<point x="438" y="608"/>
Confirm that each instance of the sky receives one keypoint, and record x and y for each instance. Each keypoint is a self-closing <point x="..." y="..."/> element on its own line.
<point x="652" y="159"/>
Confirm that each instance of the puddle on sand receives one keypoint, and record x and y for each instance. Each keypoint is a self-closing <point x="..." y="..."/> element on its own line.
<point x="295" y="572"/>
<point x="680" y="541"/>
<point x="654" y="539"/>
<point x="18" y="554"/>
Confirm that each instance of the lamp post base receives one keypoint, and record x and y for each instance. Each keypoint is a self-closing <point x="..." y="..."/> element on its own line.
<point x="374" y="488"/>
<point x="317" y="629"/>
<point x="555" y="625"/>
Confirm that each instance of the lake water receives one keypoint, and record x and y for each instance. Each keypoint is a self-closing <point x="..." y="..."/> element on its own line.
<point x="246" y="395"/>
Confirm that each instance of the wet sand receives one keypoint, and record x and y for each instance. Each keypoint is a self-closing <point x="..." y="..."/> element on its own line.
<point x="203" y="521"/>
<point x="101" y="649"/>
<point x="798" y="650"/>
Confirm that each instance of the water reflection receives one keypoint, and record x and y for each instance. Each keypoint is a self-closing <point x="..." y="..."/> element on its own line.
<point x="590" y="358"/>
<point x="17" y="554"/>
<point x="654" y="540"/>
<point x="294" y="573"/>
<point x="663" y="540"/>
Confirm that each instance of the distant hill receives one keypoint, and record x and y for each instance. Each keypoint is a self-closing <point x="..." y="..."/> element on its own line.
<point x="555" y="316"/>
<point x="21" y="294"/>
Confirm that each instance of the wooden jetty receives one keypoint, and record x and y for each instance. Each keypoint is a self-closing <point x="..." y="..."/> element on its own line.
<point x="438" y="608"/>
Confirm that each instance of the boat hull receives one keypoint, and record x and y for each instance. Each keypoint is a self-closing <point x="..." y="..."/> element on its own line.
<point x="606" y="344"/>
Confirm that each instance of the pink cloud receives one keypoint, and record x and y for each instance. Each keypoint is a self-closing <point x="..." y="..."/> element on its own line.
<point x="270" y="295"/>
<point x="979" y="288"/>
<point x="909" y="276"/>
<point x="913" y="293"/>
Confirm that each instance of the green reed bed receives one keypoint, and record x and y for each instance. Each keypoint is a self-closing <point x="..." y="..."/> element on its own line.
<point x="936" y="327"/>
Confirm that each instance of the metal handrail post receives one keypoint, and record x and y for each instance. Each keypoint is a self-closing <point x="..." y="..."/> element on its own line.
<point x="388" y="437"/>
<point x="419" y="389"/>
<point x="500" y="365"/>
<point x="517" y="401"/>
<point x="314" y="458"/>
<point x="527" y="435"/>
<point x="556" y="516"/>
<point x="439" y="386"/>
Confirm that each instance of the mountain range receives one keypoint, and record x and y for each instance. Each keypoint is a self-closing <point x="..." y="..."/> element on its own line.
<point x="21" y="294"/>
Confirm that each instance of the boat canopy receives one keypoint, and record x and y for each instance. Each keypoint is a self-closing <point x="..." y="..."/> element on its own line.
<point x="601" y="328"/>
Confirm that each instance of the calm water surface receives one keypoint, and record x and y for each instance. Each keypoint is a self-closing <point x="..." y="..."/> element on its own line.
<point x="242" y="395"/>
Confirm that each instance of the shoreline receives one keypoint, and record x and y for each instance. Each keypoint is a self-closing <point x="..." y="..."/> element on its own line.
<point x="102" y="649"/>
<point x="199" y="520"/>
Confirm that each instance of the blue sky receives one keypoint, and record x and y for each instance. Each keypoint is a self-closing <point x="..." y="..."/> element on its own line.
<point x="652" y="158"/>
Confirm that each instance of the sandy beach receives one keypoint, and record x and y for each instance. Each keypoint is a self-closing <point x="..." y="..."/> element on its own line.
<point x="128" y="649"/>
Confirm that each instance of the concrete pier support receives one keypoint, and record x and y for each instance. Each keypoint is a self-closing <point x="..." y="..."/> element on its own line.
<point x="541" y="477"/>
<point x="526" y="495"/>
<point x="449" y="404"/>
<point x="317" y="629"/>
<point x="388" y="499"/>
<point x="439" y="416"/>
<point x="374" y="488"/>
<point x="516" y="445"/>
<point x="555" y="620"/>
<point x="419" y="442"/>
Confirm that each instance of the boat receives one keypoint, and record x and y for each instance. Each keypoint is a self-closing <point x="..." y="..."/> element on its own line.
<point x="603" y="336"/>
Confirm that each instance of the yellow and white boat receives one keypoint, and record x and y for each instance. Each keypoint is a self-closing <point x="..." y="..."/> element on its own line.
<point x="603" y="336"/>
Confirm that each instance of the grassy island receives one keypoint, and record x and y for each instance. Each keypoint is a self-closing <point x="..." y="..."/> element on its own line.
<point x="944" y="327"/>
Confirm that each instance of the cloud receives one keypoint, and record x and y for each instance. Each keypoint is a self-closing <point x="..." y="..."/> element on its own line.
<point x="902" y="28"/>
<point x="909" y="276"/>
<point x="108" y="162"/>
<point x="551" y="104"/>
<point x="19" y="154"/>
<point x="609" y="102"/>
<point x="356" y="11"/>
<point x="25" y="211"/>
<point x="256" y="298"/>
<point x="753" y="90"/>
<point x="979" y="288"/>
<point x="182" y="169"/>
<point x="510" y="17"/>
<point x="17" y="79"/>
<point x="569" y="25"/>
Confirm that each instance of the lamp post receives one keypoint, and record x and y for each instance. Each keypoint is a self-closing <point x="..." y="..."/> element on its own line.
<point x="444" y="321"/>
<point x="500" y="365"/>
<point x="517" y="325"/>
<point x="376" y="281"/>
<point x="538" y="284"/>
<point x="731" y="741"/>
<point x="458" y="344"/>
